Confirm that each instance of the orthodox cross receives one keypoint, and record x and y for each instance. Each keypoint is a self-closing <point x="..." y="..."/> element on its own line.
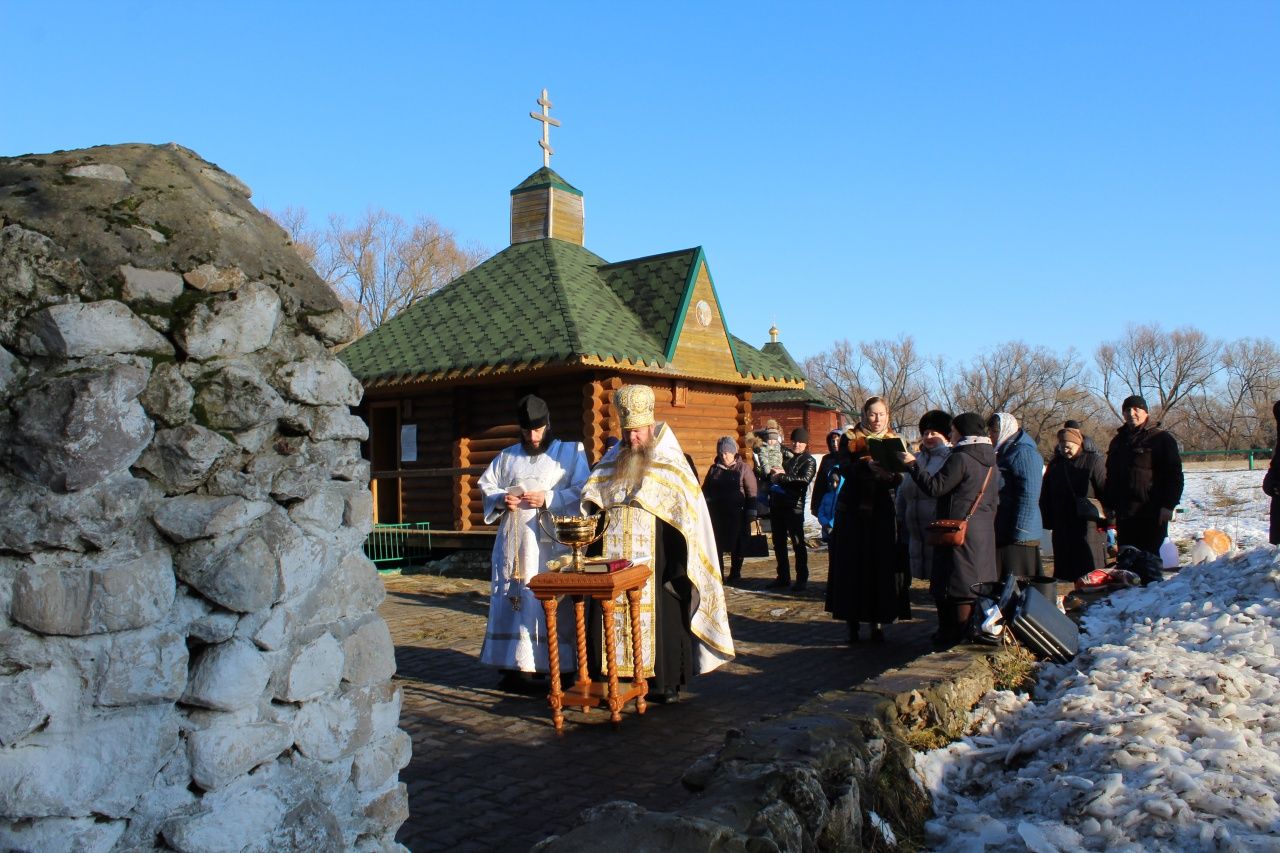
<point x="547" y="122"/>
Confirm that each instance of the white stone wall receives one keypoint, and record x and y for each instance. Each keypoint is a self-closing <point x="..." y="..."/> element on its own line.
<point x="190" y="652"/>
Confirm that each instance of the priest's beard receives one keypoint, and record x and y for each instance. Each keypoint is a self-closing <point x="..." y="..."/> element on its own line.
<point x="539" y="448"/>
<point x="633" y="464"/>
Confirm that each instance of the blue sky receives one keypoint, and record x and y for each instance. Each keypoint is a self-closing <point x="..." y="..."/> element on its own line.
<point x="967" y="173"/>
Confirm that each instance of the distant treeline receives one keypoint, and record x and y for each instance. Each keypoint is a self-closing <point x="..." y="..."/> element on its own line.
<point x="1213" y="395"/>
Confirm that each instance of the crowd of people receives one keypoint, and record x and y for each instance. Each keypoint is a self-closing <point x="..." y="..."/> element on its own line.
<point x="966" y="506"/>
<point x="878" y="516"/>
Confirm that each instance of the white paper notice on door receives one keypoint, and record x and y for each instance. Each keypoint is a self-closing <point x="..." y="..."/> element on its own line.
<point x="409" y="443"/>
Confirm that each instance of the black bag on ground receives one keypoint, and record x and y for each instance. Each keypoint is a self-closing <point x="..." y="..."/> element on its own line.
<point x="992" y="609"/>
<point x="1147" y="566"/>
<point x="755" y="542"/>
<point x="1042" y="628"/>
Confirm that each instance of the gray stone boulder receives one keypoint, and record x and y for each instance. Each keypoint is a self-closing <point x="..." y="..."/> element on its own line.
<point x="236" y="397"/>
<point x="236" y="571"/>
<point x="36" y="272"/>
<point x="227" y="677"/>
<point x="168" y="395"/>
<point x="221" y="754"/>
<point x="158" y="286"/>
<point x="82" y="329"/>
<point x="142" y="667"/>
<point x="76" y="430"/>
<point x="320" y="382"/>
<point x="182" y="458"/>
<point x="115" y="591"/>
<point x="313" y="671"/>
<point x="187" y="517"/>
<point x="32" y="517"/>
<point x="236" y="326"/>
<point x="71" y="834"/>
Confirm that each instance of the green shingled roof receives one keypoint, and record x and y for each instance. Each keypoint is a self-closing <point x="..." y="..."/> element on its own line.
<point x="543" y="178"/>
<point x="777" y="353"/>
<point x="543" y="301"/>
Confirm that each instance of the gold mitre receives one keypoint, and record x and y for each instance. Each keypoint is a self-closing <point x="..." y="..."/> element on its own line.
<point x="635" y="406"/>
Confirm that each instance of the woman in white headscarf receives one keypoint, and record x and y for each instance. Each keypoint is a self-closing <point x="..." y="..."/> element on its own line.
<point x="1018" y="514"/>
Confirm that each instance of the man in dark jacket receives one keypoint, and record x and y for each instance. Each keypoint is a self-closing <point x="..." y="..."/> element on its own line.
<point x="1271" y="481"/>
<point x="788" y="487"/>
<point x="1144" y="478"/>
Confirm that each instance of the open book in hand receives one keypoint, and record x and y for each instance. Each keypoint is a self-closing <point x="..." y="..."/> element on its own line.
<point x="885" y="452"/>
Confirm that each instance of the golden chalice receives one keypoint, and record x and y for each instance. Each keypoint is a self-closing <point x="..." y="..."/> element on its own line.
<point x="576" y="531"/>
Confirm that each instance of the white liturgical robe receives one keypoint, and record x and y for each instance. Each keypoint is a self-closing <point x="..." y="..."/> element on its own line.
<point x="516" y="637"/>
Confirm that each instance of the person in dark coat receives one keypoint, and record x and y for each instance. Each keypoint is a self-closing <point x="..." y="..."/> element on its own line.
<point x="1079" y="546"/>
<point x="1271" y="481"/>
<point x="1144" y="478"/>
<point x="868" y="578"/>
<point x="1089" y="446"/>
<point x="730" y="490"/>
<point x="966" y="485"/>
<point x="822" y="482"/>
<point x="789" y="486"/>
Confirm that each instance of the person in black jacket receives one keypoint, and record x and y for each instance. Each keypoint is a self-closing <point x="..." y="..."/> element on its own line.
<point x="788" y="487"/>
<point x="1271" y="482"/>
<point x="1073" y="473"/>
<point x="967" y="485"/>
<point x="730" y="490"/>
<point x="1144" y="478"/>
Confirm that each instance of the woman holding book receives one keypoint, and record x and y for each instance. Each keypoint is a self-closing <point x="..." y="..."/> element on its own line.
<point x="867" y="580"/>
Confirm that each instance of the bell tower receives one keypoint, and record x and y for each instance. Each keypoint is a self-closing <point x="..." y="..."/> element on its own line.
<point x="545" y="204"/>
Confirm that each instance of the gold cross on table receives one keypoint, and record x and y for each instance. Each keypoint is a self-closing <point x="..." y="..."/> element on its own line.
<point x="547" y="122"/>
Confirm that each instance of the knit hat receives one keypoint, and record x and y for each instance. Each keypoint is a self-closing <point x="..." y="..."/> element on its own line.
<point x="726" y="445"/>
<point x="800" y="434"/>
<point x="935" y="420"/>
<point x="1134" y="401"/>
<point x="1071" y="434"/>
<point x="1072" y="424"/>
<point x="532" y="413"/>
<point x="969" y="423"/>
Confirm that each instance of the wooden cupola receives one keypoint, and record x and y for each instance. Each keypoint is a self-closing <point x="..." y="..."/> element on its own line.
<point x="544" y="204"/>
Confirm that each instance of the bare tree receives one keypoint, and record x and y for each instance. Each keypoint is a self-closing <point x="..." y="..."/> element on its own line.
<point x="895" y="370"/>
<point x="1166" y="367"/>
<point x="1237" y="412"/>
<point x="380" y="265"/>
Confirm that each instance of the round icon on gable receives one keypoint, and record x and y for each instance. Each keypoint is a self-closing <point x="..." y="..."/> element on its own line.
<point x="702" y="311"/>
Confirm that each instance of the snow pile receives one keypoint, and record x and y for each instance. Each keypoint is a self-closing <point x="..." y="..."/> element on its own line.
<point x="1164" y="735"/>
<point x="1230" y="501"/>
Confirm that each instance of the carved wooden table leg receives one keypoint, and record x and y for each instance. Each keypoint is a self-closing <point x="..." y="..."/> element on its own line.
<point x="611" y="660"/>
<point x="633" y="605"/>
<point x="580" y="623"/>
<point x="553" y="674"/>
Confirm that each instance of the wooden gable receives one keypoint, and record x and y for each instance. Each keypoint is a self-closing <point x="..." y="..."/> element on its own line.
<point x="700" y="344"/>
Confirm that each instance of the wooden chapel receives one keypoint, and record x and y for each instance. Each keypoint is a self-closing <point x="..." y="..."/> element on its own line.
<point x="546" y="316"/>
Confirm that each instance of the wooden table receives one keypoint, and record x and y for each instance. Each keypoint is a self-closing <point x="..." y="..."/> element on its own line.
<point x="603" y="587"/>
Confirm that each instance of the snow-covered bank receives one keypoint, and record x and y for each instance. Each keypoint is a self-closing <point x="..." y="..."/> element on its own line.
<point x="1163" y="735"/>
<point x="1230" y="501"/>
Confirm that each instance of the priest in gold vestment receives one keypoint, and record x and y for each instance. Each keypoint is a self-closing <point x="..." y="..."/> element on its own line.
<point x="660" y="519"/>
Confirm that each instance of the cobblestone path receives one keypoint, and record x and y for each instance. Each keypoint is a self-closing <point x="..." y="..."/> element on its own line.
<point x="489" y="772"/>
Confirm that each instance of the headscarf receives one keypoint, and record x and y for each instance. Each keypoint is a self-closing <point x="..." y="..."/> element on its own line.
<point x="1006" y="426"/>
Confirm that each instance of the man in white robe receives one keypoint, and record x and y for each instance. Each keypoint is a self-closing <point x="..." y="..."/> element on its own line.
<point x="537" y="475"/>
<point x="659" y="518"/>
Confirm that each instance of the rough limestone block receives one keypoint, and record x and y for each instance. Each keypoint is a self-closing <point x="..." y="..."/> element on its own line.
<point x="236" y="397"/>
<point x="22" y="708"/>
<point x="391" y="808"/>
<point x="358" y="512"/>
<point x="311" y="825"/>
<point x="168" y="395"/>
<point x="272" y="634"/>
<point x="142" y="285"/>
<point x="313" y="671"/>
<point x="237" y="571"/>
<point x="187" y="517"/>
<point x="320" y="382"/>
<point x="35" y="271"/>
<point x="10" y="371"/>
<point x="213" y="279"/>
<point x="32" y="517"/>
<point x="101" y="766"/>
<point x="322" y="512"/>
<point x="217" y="626"/>
<point x="229" y="823"/>
<point x="236" y="326"/>
<point x="74" y="835"/>
<point x="181" y="458"/>
<point x="227" y="677"/>
<point x="221" y="754"/>
<point x="334" y="727"/>
<point x="330" y="423"/>
<point x="100" y="172"/>
<point x="333" y="327"/>
<point x="91" y="595"/>
<point x="74" y="431"/>
<point x="302" y="559"/>
<point x="149" y="665"/>
<point x="83" y="329"/>
<point x="377" y="764"/>
<point x="370" y="655"/>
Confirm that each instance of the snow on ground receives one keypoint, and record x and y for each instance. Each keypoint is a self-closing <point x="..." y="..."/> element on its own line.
<point x="1163" y="735"/>
<point x="1230" y="501"/>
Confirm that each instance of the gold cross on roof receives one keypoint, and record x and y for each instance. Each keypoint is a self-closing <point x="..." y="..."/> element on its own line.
<point x="547" y="122"/>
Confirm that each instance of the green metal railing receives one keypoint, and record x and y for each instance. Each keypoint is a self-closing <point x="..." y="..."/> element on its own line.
<point x="391" y="546"/>
<point x="1251" y="453"/>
